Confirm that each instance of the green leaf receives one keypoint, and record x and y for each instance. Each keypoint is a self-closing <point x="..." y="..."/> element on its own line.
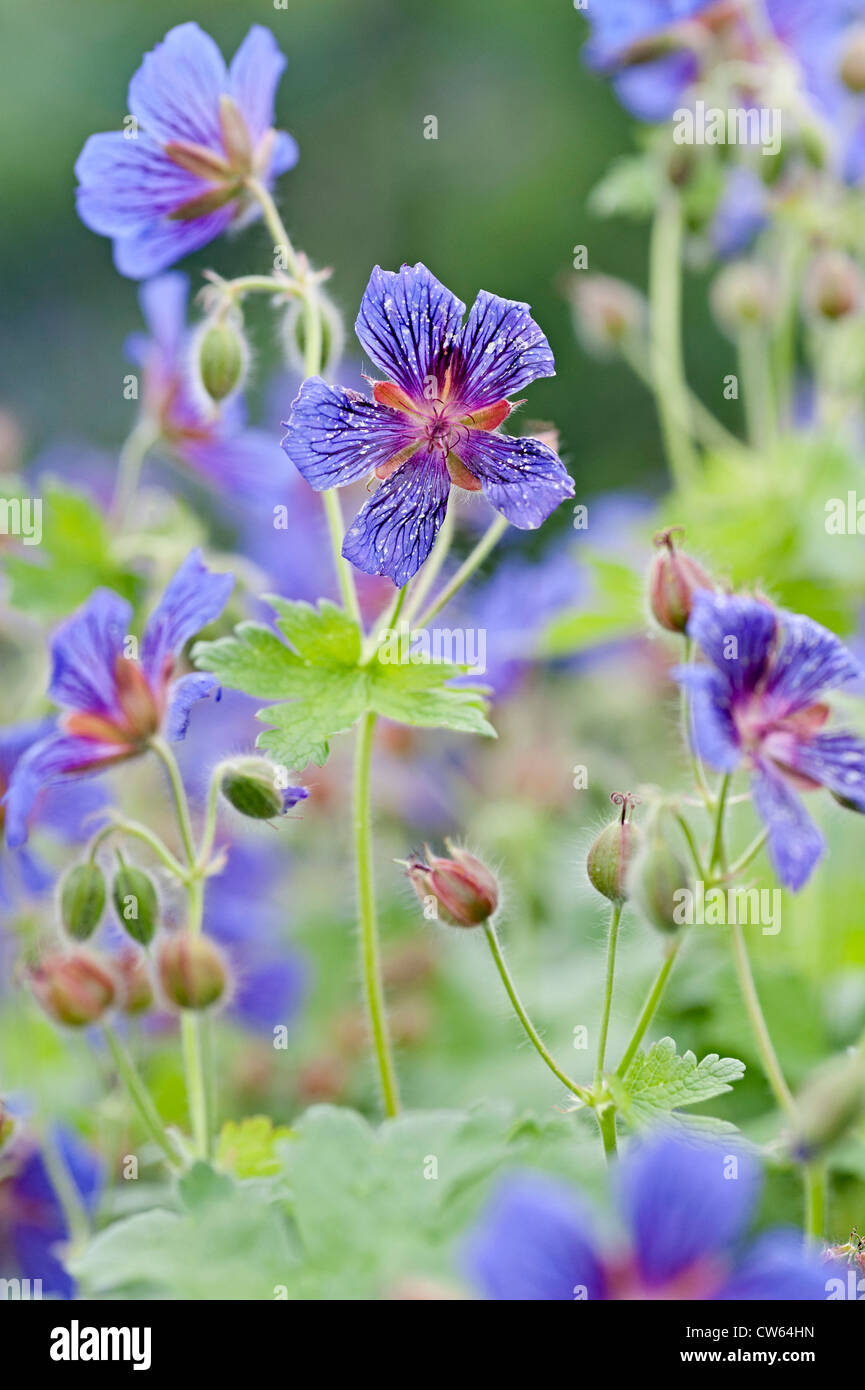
<point x="317" y="672"/>
<point x="659" y="1083"/>
<point x="248" y="1148"/>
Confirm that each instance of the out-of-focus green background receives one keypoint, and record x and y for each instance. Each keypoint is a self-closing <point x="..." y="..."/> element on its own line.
<point x="497" y="201"/>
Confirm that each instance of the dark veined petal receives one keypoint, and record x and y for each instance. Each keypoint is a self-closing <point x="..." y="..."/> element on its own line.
<point x="406" y="322"/>
<point x="534" y="1243"/>
<point x="336" y="436"/>
<point x="499" y="350"/>
<point x="681" y="1203"/>
<point x="182" y="696"/>
<point x="175" y="93"/>
<point x="713" y="732"/>
<point x="254" y="77"/>
<point x="48" y="762"/>
<point x="836" y="761"/>
<point x="394" y="531"/>
<point x="795" y="844"/>
<point x="736" y="634"/>
<point x="192" y="599"/>
<point x="811" y="659"/>
<point x="158" y="244"/>
<point x="779" y="1267"/>
<point x="84" y="653"/>
<point x="522" y="478"/>
<point x="125" y="184"/>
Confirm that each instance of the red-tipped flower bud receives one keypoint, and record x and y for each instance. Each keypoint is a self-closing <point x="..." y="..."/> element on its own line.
<point x="833" y="286"/>
<point x="674" y="578"/>
<point x="73" y="988"/>
<point x="82" y="900"/>
<point x="135" y="994"/>
<point x="192" y="970"/>
<point x="463" y="890"/>
<point x="612" y="853"/>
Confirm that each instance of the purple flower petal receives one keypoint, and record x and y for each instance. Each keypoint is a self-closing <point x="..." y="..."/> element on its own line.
<point x="713" y="732"/>
<point x="795" y="844"/>
<point x="159" y="244"/>
<point x="406" y="322"/>
<point x="500" y="350"/>
<point x="394" y="531"/>
<point x="653" y="91"/>
<point x="684" y="1202"/>
<point x="522" y="478"/>
<point x="163" y="305"/>
<point x="836" y="761"/>
<point x="778" y="1267"/>
<point x="285" y="154"/>
<point x="46" y="763"/>
<point x="337" y="436"/>
<point x="254" y="77"/>
<point x="736" y="634"/>
<point x="268" y="992"/>
<point x="85" y="650"/>
<point x="125" y="184"/>
<point x="183" y="694"/>
<point x="246" y="465"/>
<point x="811" y="659"/>
<point x="175" y="93"/>
<point x="193" y="598"/>
<point x="534" y="1244"/>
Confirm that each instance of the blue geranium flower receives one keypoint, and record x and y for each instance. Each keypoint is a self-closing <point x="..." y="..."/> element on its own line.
<point x="33" y="1217"/>
<point x="114" y="704"/>
<point x="177" y="178"/>
<point x="432" y="423"/>
<point x="758" y="704"/>
<point x="66" y="818"/>
<point x="649" y="48"/>
<point x="685" y="1205"/>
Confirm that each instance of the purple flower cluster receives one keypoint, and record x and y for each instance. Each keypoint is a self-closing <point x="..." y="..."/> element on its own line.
<point x="177" y="176"/>
<point x="758" y="704"/>
<point x="432" y="423"/>
<point x="685" y="1206"/>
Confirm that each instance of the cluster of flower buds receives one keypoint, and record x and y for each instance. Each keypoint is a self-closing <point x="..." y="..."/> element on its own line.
<point x="674" y="578"/>
<point x="253" y="787"/>
<point x="221" y="355"/>
<point x="83" y="895"/>
<point x="610" y="858"/>
<point x="461" y="889"/>
<point x="192" y="971"/>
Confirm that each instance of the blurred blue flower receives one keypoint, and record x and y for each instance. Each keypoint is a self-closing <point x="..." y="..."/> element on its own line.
<point x="685" y="1205"/>
<point x="758" y="704"/>
<point x="432" y="423"/>
<point x="33" y="1218"/>
<point x="648" y="48"/>
<point x="741" y="213"/>
<point x="114" y="703"/>
<point x="175" y="178"/>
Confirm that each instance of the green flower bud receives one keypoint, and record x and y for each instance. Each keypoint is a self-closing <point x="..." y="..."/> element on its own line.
<point x="657" y="874"/>
<point x="73" y="988"/>
<point x="222" y="358"/>
<point x="294" y="333"/>
<point x="741" y="296"/>
<point x="191" y="970"/>
<point x="249" y="785"/>
<point x="831" y="1102"/>
<point x="82" y="900"/>
<point x="135" y="903"/>
<point x="612" y="853"/>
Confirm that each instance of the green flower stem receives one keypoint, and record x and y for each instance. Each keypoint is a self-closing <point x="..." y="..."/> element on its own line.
<point x="706" y="428"/>
<point x="668" y="372"/>
<point x="472" y="562"/>
<point x="750" y="853"/>
<point x="612" y="942"/>
<point x="136" y="831"/>
<point x="386" y="622"/>
<point x="369" y="941"/>
<point x="196" y="1090"/>
<point x="531" y="1032"/>
<point x="139" y="1094"/>
<point x="139" y="442"/>
<point x="74" y="1210"/>
<point x="717" y="855"/>
<point x="758" y="393"/>
<point x="430" y="571"/>
<point x="650" y="1007"/>
<point x="691" y="842"/>
<point x="607" y="1123"/>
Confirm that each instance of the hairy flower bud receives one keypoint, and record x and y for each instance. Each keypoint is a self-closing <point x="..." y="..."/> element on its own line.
<point x="607" y="312"/>
<point x="674" y="578"/>
<point x="463" y="890"/>
<point x="833" y="286"/>
<point x="222" y="358"/>
<point x="612" y="853"/>
<point x="191" y="970"/>
<point x="73" y="987"/>
<point x="135" y="994"/>
<point x="82" y="900"/>
<point x="829" y="1105"/>
<point x="853" y="61"/>
<point x="656" y="876"/>
<point x="250" y="785"/>
<point x="135" y="903"/>
<point x="741" y="296"/>
<point x="294" y="334"/>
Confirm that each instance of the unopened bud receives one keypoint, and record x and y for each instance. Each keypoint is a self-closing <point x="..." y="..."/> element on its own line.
<point x="833" y="285"/>
<point x="829" y="1105"/>
<point x="741" y="296"/>
<point x="135" y="903"/>
<point x="674" y="578"/>
<point x="251" y="786"/>
<point x="223" y="357"/>
<point x="191" y="970"/>
<point x="135" y="995"/>
<point x="464" y="891"/>
<point x="607" y="312"/>
<point x="853" y="61"/>
<point x="73" y="988"/>
<point x="82" y="900"/>
<point x="656" y="879"/>
<point x="612" y="853"/>
<point x="294" y="334"/>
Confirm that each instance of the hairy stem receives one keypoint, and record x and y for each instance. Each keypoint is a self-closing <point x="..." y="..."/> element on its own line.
<point x="668" y="371"/>
<point x="472" y="562"/>
<point x="612" y="942"/>
<point x="139" y="1094"/>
